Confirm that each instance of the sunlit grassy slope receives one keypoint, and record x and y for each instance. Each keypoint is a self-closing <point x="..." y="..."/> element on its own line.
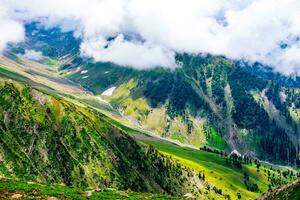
<point x="51" y="140"/>
<point x="136" y="107"/>
<point x="230" y="179"/>
<point x="47" y="78"/>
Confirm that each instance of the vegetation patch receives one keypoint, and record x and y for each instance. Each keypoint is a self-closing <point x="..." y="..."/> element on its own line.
<point x="230" y="178"/>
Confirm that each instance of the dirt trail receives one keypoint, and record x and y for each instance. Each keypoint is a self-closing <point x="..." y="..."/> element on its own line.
<point x="153" y="137"/>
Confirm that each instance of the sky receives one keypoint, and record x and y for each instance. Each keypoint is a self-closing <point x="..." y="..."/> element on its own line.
<point x="148" y="33"/>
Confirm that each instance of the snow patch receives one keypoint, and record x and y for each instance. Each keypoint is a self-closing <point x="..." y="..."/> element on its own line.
<point x="106" y="72"/>
<point x="109" y="91"/>
<point x="84" y="71"/>
<point x="85" y="77"/>
<point x="77" y="69"/>
<point x="282" y="96"/>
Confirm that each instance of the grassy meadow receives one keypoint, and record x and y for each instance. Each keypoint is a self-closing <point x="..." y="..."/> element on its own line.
<point x="229" y="178"/>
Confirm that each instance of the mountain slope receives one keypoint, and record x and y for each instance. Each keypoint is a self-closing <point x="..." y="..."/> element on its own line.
<point x="64" y="133"/>
<point x="289" y="191"/>
<point x="51" y="140"/>
<point x="222" y="173"/>
<point x="208" y="100"/>
<point x="16" y="189"/>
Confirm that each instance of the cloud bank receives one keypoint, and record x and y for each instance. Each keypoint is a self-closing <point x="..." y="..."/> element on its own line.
<point x="143" y="33"/>
<point x="33" y="55"/>
<point x="11" y="30"/>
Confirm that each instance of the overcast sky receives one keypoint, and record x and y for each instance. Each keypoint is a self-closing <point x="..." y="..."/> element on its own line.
<point x="148" y="32"/>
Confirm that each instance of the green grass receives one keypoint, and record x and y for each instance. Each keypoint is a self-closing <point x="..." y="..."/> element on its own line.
<point x="10" y="74"/>
<point x="102" y="76"/>
<point x="88" y="142"/>
<point x="177" y="136"/>
<point x="51" y="62"/>
<point x="229" y="179"/>
<point x="122" y="92"/>
<point x="31" y="190"/>
<point x="215" y="140"/>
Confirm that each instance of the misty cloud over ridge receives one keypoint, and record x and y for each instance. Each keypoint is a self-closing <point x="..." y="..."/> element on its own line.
<point x="148" y="33"/>
<point x="11" y="30"/>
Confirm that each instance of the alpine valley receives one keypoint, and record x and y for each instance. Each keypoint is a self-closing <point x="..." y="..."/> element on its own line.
<point x="212" y="128"/>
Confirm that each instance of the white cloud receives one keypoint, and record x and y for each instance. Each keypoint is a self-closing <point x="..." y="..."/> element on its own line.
<point x="33" y="55"/>
<point x="11" y="30"/>
<point x="122" y="52"/>
<point x="253" y="30"/>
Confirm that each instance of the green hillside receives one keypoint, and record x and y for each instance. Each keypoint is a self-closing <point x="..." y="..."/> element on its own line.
<point x="161" y="134"/>
<point x="222" y="174"/>
<point x="57" y="141"/>
<point x="289" y="191"/>
<point x="16" y="189"/>
<point x="50" y="140"/>
<point x="209" y="100"/>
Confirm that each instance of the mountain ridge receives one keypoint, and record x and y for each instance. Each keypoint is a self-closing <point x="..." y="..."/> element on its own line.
<point x="37" y="137"/>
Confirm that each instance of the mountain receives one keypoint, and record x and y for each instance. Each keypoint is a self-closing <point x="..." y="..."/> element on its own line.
<point x="207" y="101"/>
<point x="50" y="41"/>
<point x="51" y="140"/>
<point x="216" y="173"/>
<point x="200" y="130"/>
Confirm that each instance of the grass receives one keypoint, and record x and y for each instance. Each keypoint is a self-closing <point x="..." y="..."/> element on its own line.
<point x="10" y="74"/>
<point x="88" y="146"/>
<point x="51" y="62"/>
<point x="121" y="92"/>
<point x="177" y="136"/>
<point x="229" y="179"/>
<point x="156" y="120"/>
<point x="30" y="190"/>
<point x="289" y="191"/>
<point x="135" y="108"/>
<point x="215" y="140"/>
